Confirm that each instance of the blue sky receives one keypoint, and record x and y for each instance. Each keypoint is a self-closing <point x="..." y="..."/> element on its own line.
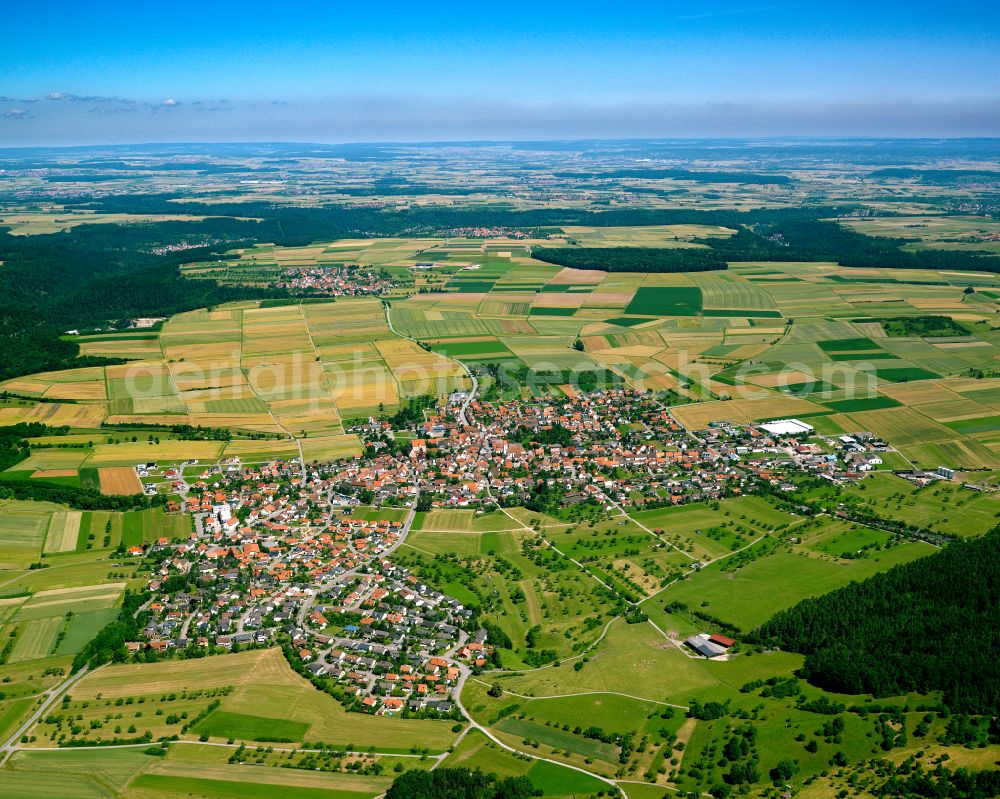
<point x="88" y="72"/>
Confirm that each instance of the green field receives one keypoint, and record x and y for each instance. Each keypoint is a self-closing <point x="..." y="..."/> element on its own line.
<point x="752" y="594"/>
<point x="165" y="785"/>
<point x="557" y="739"/>
<point x="22" y="531"/>
<point x="666" y="301"/>
<point x="83" y="627"/>
<point x="869" y="404"/>
<point x="848" y="345"/>
<point x="148" y="526"/>
<point x="221" y="724"/>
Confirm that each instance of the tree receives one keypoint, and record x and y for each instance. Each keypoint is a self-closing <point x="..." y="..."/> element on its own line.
<point x="784" y="771"/>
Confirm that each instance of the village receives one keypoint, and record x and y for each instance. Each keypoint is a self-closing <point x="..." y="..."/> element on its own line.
<point x="283" y="553"/>
<point x="335" y="280"/>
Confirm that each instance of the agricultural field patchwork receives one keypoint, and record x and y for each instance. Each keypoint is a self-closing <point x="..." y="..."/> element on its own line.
<point x="327" y="557"/>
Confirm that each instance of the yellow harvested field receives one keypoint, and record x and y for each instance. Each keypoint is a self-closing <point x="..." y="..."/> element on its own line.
<point x="345" y="784"/>
<point x="120" y="680"/>
<point x="758" y="331"/>
<point x="210" y="354"/>
<point x="935" y="303"/>
<point x="84" y="375"/>
<point x="56" y="414"/>
<point x="77" y="391"/>
<point x="921" y="392"/>
<point x="25" y="387"/>
<point x="356" y="396"/>
<point x="569" y="276"/>
<point x="267" y="449"/>
<point x="131" y="453"/>
<point x="96" y="591"/>
<point x="594" y="343"/>
<point x="122" y="349"/>
<point x="901" y="426"/>
<point x="745" y="351"/>
<point x="62" y="220"/>
<point x="870" y="329"/>
<point x="637" y="350"/>
<point x="964" y="384"/>
<point x="45" y="460"/>
<point x="608" y="299"/>
<point x="556" y="300"/>
<point x="263" y="422"/>
<point x="781" y="379"/>
<point x="144" y="374"/>
<point x="698" y="416"/>
<point x="64" y="528"/>
<point x="46" y="473"/>
<point x="331" y="447"/>
<point x="119" y="480"/>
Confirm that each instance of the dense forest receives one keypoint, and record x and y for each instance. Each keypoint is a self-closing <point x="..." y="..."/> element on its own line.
<point x="924" y="626"/>
<point x="459" y="783"/>
<point x="801" y="239"/>
<point x="94" y="275"/>
<point x="631" y="259"/>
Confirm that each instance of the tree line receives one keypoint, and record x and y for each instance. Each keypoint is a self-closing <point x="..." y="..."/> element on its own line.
<point x="459" y="783"/>
<point x="632" y="259"/>
<point x="75" y="497"/>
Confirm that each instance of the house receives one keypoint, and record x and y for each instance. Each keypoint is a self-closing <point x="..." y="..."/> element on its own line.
<point x="722" y="640"/>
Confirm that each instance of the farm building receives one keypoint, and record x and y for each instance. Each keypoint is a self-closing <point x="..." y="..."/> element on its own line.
<point x="704" y="646"/>
<point x="787" y="427"/>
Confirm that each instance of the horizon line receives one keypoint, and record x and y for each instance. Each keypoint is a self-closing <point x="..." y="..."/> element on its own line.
<point x="487" y="141"/>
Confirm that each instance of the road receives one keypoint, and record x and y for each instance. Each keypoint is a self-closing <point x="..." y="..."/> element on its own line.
<point x="464" y="673"/>
<point x="593" y="693"/>
<point x="52" y="696"/>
